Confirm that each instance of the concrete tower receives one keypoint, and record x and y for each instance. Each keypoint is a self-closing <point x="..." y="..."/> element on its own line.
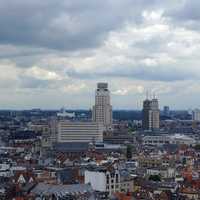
<point x="155" y="112"/>
<point x="102" y="110"/>
<point x="151" y="114"/>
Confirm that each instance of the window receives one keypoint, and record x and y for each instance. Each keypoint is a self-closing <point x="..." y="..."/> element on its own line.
<point x="107" y="179"/>
<point x="117" y="178"/>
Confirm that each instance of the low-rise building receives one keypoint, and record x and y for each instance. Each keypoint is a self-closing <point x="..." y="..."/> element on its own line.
<point x="164" y="139"/>
<point x="164" y="172"/>
<point x="79" y="132"/>
<point x="110" y="181"/>
<point x="51" y="192"/>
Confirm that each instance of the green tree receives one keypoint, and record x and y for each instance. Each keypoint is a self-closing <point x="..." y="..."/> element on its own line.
<point x="129" y="151"/>
<point x="197" y="147"/>
<point x="156" y="178"/>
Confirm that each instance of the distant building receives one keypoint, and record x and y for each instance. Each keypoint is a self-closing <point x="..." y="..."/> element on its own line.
<point x="65" y="114"/>
<point x="119" y="139"/>
<point x="166" y="111"/>
<point x="159" y="140"/>
<point x="106" y="148"/>
<point x="102" y="110"/>
<point x="59" y="191"/>
<point x="110" y="181"/>
<point x="71" y="148"/>
<point x="79" y="132"/>
<point x="146" y="115"/>
<point x="48" y="131"/>
<point x="151" y="114"/>
<point x="196" y="115"/>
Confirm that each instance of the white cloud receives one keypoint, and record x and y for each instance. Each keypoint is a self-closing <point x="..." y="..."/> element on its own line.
<point x="127" y="89"/>
<point x="148" y="50"/>
<point x="42" y="74"/>
<point x="153" y="16"/>
<point x="74" y="88"/>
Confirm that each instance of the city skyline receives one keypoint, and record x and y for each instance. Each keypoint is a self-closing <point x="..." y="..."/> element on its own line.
<point x="53" y="53"/>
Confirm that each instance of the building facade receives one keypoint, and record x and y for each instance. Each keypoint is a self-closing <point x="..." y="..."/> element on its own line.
<point x="151" y="115"/>
<point x="166" y="111"/>
<point x="159" y="140"/>
<point x="70" y="131"/>
<point x="102" y="110"/>
<point x="196" y="115"/>
<point x="108" y="181"/>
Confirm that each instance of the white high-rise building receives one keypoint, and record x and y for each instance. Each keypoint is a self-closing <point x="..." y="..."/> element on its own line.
<point x="102" y="110"/>
<point x="196" y="114"/>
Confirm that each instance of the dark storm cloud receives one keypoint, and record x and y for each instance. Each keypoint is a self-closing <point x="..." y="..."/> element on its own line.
<point x="65" y="25"/>
<point x="29" y="82"/>
<point x="186" y="14"/>
<point x="140" y="72"/>
<point x="55" y="49"/>
<point x="189" y="10"/>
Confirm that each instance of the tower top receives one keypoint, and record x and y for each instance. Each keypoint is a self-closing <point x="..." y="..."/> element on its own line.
<point x="102" y="85"/>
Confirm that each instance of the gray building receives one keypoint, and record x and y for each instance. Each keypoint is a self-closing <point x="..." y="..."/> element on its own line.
<point x="71" y="131"/>
<point x="166" y="111"/>
<point x="151" y="114"/>
<point x="196" y="114"/>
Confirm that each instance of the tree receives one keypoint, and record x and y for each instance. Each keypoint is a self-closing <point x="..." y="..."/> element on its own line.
<point x="156" y="178"/>
<point x="197" y="147"/>
<point x="129" y="151"/>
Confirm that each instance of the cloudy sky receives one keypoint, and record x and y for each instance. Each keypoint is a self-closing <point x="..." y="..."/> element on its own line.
<point x="53" y="52"/>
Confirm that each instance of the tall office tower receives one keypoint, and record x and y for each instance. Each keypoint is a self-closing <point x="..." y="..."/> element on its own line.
<point x="155" y="114"/>
<point x="146" y="115"/>
<point x="151" y="115"/>
<point x="196" y="114"/>
<point x="102" y="110"/>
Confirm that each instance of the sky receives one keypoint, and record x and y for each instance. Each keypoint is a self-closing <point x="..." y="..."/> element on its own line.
<point x="53" y="52"/>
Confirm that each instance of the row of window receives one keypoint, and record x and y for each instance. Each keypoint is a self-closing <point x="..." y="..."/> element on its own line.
<point x="156" y="141"/>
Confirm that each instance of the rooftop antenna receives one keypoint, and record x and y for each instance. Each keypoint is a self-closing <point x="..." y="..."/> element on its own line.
<point x="154" y="95"/>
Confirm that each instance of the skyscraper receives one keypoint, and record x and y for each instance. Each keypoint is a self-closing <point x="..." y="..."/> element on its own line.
<point x="102" y="110"/>
<point x="155" y="114"/>
<point x="151" y="114"/>
<point x="146" y="115"/>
